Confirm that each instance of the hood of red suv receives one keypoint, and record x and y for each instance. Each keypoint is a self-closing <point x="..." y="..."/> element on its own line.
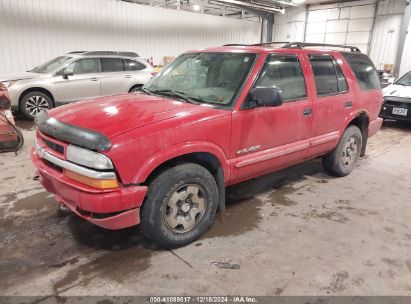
<point x="118" y="114"/>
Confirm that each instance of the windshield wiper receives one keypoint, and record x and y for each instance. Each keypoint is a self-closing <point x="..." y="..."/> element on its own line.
<point x="178" y="94"/>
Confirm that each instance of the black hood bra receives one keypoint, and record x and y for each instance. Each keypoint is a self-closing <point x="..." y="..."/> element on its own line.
<point x="78" y="136"/>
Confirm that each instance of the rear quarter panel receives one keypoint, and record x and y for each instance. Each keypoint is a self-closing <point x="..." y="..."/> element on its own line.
<point x="366" y="101"/>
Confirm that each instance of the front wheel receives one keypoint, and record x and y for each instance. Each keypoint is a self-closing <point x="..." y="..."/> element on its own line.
<point x="342" y="160"/>
<point x="180" y="205"/>
<point x="35" y="102"/>
<point x="135" y="88"/>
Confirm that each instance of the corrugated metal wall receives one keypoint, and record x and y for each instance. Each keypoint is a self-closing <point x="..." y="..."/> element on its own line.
<point x="406" y="56"/>
<point x="33" y="31"/>
<point x="386" y="32"/>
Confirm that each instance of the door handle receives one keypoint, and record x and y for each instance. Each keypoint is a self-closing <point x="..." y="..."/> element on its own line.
<point x="348" y="105"/>
<point x="94" y="79"/>
<point x="128" y="76"/>
<point x="307" y="112"/>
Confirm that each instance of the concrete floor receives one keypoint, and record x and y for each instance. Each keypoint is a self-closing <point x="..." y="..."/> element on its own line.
<point x="297" y="232"/>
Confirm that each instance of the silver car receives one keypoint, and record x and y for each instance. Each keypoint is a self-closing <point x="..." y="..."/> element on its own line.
<point x="76" y="76"/>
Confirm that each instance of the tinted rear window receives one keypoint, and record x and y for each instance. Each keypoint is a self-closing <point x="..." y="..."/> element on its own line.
<point x="364" y="70"/>
<point x="329" y="79"/>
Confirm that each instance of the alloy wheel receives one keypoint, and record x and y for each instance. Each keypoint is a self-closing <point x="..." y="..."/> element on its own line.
<point x="185" y="208"/>
<point x="36" y="104"/>
<point x="349" y="152"/>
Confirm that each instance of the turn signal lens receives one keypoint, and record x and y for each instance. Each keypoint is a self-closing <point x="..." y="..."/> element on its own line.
<point x="95" y="183"/>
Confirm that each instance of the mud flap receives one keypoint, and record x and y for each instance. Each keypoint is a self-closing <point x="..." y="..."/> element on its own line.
<point x="221" y="190"/>
<point x="364" y="141"/>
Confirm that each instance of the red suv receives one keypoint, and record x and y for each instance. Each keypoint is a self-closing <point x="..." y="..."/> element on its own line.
<point x="162" y="157"/>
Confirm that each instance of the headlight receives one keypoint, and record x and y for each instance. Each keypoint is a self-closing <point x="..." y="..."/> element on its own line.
<point x="8" y="84"/>
<point x="88" y="158"/>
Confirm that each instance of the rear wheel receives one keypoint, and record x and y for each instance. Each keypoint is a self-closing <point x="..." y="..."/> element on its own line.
<point x="342" y="160"/>
<point x="180" y="206"/>
<point x="35" y="102"/>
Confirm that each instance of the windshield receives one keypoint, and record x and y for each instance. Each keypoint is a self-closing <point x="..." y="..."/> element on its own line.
<point x="211" y="78"/>
<point x="51" y="65"/>
<point x="405" y="80"/>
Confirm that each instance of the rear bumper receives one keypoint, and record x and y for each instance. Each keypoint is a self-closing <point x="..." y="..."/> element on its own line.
<point x="374" y="126"/>
<point x="110" y="209"/>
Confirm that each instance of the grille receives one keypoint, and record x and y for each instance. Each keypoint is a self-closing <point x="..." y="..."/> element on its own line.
<point x="54" y="166"/>
<point x="53" y="146"/>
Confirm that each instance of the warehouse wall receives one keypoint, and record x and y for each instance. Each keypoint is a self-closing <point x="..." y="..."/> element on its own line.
<point x="290" y="26"/>
<point x="406" y="56"/>
<point x="33" y="31"/>
<point x="341" y="23"/>
<point x="348" y="23"/>
<point x="386" y="32"/>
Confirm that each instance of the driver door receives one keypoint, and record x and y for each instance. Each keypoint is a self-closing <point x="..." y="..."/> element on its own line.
<point x="84" y="83"/>
<point x="269" y="138"/>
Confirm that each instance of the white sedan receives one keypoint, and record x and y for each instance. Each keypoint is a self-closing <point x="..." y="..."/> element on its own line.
<point x="397" y="99"/>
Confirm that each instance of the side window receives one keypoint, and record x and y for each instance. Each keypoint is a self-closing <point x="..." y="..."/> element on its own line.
<point x="285" y="73"/>
<point x="342" y="82"/>
<point x="111" y="65"/>
<point x="329" y="79"/>
<point x="84" y="66"/>
<point x="364" y="71"/>
<point x="133" y="65"/>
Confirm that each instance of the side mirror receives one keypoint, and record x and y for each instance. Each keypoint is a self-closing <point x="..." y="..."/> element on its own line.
<point x="266" y="96"/>
<point x="67" y="73"/>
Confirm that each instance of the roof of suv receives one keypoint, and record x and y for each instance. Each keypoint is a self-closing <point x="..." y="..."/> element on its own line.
<point x="103" y="53"/>
<point x="280" y="46"/>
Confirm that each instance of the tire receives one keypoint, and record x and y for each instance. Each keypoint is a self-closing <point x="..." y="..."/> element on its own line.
<point x="188" y="188"/>
<point x="342" y="160"/>
<point x="135" y="88"/>
<point x="34" y="102"/>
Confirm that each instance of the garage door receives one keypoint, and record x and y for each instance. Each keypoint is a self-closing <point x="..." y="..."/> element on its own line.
<point x="341" y="25"/>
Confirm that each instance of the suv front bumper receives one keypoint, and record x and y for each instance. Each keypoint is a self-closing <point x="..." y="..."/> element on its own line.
<point x="111" y="208"/>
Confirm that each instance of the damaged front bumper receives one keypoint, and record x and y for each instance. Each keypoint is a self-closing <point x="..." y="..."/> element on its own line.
<point x="109" y="208"/>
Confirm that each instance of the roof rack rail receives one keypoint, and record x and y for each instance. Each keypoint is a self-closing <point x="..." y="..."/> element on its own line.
<point x="127" y="54"/>
<point x="257" y="44"/>
<point x="301" y="45"/>
<point x="270" y="43"/>
<point x="77" y="52"/>
<point x="236" y="44"/>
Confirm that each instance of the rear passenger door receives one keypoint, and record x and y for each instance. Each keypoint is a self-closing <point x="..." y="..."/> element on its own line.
<point x="333" y="99"/>
<point x="113" y="78"/>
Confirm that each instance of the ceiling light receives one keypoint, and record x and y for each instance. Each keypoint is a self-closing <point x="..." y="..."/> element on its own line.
<point x="196" y="7"/>
<point x="298" y="1"/>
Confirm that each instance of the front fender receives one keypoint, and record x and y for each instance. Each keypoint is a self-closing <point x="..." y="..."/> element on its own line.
<point x="178" y="150"/>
